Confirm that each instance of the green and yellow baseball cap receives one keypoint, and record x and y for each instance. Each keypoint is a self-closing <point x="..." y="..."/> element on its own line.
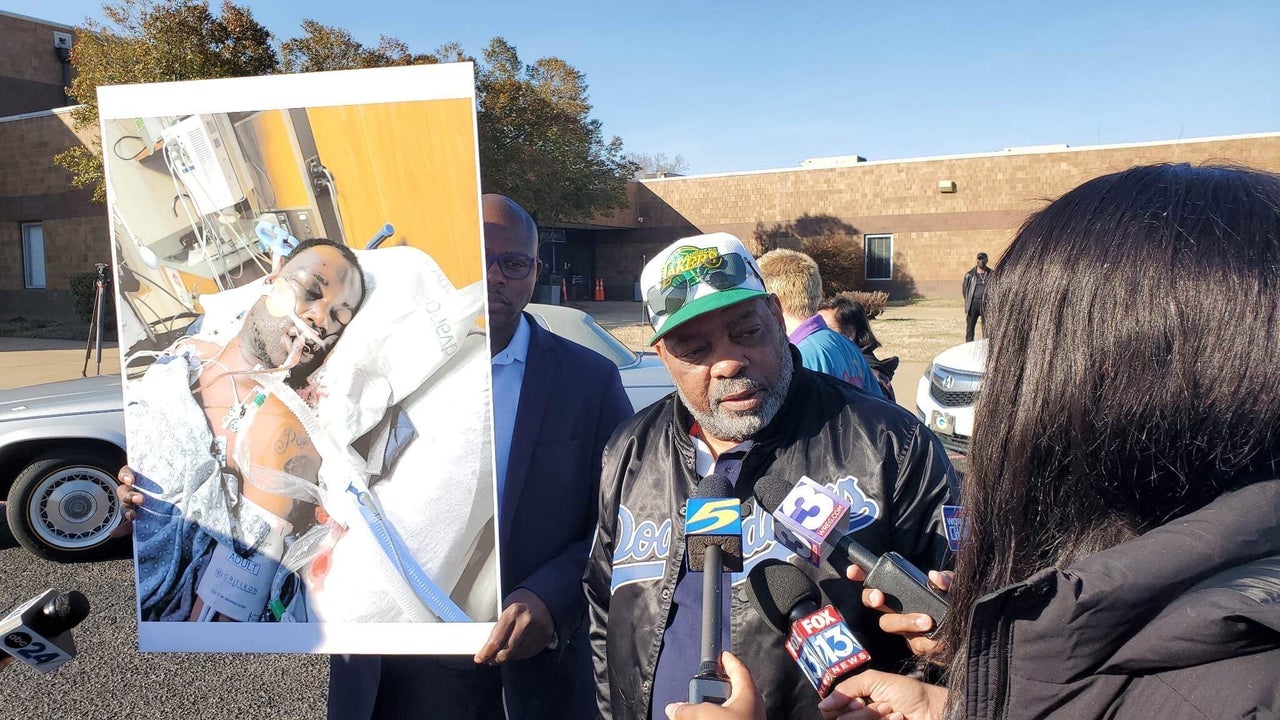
<point x="697" y="275"/>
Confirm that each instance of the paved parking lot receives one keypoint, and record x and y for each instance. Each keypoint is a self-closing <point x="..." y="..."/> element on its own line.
<point x="110" y="678"/>
<point x="27" y="362"/>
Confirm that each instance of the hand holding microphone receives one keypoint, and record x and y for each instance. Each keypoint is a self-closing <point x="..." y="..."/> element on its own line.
<point x="917" y="628"/>
<point x="745" y="702"/>
<point x="817" y="637"/>
<point x="812" y="521"/>
<point x="713" y="535"/>
<point x="38" y="632"/>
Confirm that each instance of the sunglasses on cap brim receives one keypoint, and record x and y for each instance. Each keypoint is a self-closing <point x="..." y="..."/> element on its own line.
<point x="722" y="272"/>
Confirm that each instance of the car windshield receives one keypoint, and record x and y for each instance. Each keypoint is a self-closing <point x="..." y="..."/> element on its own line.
<point x="580" y="328"/>
<point x="611" y="347"/>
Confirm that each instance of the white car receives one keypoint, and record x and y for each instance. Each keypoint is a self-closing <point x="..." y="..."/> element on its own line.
<point x="948" y="391"/>
<point x="62" y="443"/>
<point x="644" y="377"/>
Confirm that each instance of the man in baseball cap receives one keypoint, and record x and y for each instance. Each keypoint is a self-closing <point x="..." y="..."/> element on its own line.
<point x="697" y="275"/>
<point x="744" y="408"/>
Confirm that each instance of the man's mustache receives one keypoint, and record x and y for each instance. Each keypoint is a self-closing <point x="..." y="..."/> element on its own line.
<point x="731" y="386"/>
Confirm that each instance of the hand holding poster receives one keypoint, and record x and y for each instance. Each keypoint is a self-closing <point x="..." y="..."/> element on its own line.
<point x="308" y="420"/>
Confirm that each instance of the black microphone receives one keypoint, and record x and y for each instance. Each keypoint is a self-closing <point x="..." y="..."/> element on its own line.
<point x="713" y="535"/>
<point x="38" y="632"/>
<point x="818" y="639"/>
<point x="808" y="519"/>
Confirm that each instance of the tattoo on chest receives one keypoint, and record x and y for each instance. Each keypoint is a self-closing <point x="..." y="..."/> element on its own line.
<point x="290" y="438"/>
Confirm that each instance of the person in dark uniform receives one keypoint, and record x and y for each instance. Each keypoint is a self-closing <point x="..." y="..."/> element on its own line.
<point x="975" y="291"/>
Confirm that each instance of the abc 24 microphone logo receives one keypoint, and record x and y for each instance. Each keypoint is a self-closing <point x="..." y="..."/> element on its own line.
<point x="27" y="635"/>
<point x="32" y="650"/>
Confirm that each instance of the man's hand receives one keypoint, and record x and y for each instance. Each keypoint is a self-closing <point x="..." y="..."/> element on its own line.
<point x="744" y="701"/>
<point x="872" y="694"/>
<point x="524" y="629"/>
<point x="911" y="626"/>
<point x="130" y="499"/>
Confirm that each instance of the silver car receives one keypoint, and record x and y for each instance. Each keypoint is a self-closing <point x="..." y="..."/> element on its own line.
<point x="60" y="447"/>
<point x="62" y="443"/>
<point x="644" y="377"/>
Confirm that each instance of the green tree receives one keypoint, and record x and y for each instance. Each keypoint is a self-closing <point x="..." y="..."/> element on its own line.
<point x="325" y="47"/>
<point x="539" y="144"/>
<point x="148" y="41"/>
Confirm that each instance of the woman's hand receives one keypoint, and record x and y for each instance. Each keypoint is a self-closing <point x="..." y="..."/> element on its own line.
<point x="911" y="626"/>
<point x="872" y="694"/>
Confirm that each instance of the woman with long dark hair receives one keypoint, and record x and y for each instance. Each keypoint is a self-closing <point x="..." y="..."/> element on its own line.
<point x="1123" y="499"/>
<point x="1123" y="556"/>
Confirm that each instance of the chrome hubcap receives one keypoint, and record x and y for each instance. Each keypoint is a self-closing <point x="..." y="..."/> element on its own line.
<point x="75" y="507"/>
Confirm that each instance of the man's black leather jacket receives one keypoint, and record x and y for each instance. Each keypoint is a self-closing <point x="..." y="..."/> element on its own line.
<point x="877" y="455"/>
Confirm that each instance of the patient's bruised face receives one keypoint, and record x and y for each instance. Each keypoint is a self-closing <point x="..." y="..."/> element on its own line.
<point x="322" y="289"/>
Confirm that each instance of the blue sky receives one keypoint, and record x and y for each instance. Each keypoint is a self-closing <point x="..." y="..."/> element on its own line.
<point x="754" y="85"/>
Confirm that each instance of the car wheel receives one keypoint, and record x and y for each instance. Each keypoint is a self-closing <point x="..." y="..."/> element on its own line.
<point x="63" y="505"/>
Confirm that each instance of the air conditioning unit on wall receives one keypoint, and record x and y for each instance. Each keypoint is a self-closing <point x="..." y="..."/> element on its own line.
<point x="199" y="156"/>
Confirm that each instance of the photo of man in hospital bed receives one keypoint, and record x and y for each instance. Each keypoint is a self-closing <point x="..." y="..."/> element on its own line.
<point x="292" y="457"/>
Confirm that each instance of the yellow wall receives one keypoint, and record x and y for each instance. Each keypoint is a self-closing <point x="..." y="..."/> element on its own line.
<point x="411" y="164"/>
<point x="272" y="138"/>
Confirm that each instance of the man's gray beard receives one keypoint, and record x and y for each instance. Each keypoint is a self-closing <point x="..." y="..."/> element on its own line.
<point x="736" y="427"/>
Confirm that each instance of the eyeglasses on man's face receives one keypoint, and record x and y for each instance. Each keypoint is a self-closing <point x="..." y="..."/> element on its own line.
<point x="512" y="265"/>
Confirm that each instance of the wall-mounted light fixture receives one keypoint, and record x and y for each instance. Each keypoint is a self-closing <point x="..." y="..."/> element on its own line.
<point x="946" y="186"/>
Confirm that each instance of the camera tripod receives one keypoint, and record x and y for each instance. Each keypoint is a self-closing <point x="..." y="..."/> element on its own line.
<point x="95" y="319"/>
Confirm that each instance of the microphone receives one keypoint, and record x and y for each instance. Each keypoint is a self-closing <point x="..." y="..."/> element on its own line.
<point x="713" y="535"/>
<point x="38" y="632"/>
<point x="812" y="521"/>
<point x="818" y="639"/>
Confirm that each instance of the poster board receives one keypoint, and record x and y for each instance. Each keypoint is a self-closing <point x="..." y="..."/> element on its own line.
<point x="306" y="371"/>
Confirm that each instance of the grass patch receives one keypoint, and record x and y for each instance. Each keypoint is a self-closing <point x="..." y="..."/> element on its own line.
<point x="917" y="339"/>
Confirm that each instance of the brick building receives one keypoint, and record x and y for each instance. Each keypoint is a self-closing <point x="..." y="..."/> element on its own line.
<point x="918" y="223"/>
<point x="48" y="229"/>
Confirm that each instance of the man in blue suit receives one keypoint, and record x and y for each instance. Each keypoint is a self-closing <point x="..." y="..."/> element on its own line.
<point x="555" y="405"/>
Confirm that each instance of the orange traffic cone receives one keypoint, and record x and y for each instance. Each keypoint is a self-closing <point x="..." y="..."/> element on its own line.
<point x="599" y="289"/>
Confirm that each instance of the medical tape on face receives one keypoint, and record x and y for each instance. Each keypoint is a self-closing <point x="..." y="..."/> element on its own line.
<point x="282" y="301"/>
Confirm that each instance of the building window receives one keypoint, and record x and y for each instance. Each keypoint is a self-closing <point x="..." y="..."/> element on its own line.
<point x="33" y="254"/>
<point x="879" y="257"/>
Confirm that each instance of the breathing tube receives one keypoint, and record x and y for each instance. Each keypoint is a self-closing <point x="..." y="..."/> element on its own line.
<point x="282" y="301"/>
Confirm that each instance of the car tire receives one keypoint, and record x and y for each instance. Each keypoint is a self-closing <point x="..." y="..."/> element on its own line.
<point x="63" y="505"/>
